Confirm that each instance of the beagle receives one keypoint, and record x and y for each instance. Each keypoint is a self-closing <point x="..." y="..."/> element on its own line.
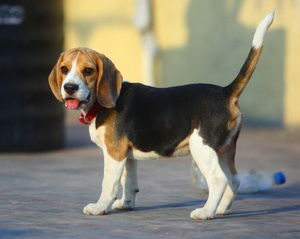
<point x="131" y="121"/>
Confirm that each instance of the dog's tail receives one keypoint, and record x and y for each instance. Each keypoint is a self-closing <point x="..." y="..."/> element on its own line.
<point x="237" y="86"/>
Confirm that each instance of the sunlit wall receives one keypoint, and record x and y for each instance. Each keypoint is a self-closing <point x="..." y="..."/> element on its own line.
<point x="199" y="41"/>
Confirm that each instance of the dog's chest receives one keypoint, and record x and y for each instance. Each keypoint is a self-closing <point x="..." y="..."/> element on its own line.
<point x="97" y="135"/>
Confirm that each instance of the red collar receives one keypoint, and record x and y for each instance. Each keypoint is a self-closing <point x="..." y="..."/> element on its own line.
<point x="91" y="114"/>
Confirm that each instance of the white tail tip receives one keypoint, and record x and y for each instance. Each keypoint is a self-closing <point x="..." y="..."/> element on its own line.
<point x="261" y="30"/>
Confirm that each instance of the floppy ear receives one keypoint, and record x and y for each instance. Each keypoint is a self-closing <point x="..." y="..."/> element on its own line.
<point x="55" y="79"/>
<point x="109" y="82"/>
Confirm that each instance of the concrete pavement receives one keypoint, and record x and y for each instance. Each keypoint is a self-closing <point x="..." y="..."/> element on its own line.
<point x="42" y="194"/>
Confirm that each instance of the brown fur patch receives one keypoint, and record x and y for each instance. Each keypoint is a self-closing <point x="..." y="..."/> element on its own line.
<point x="230" y="151"/>
<point x="237" y="86"/>
<point x="109" y="83"/>
<point x="117" y="147"/>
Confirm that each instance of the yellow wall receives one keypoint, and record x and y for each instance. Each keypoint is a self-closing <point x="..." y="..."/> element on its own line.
<point x="105" y="26"/>
<point x="287" y="19"/>
<point x="201" y="41"/>
<point x="291" y="22"/>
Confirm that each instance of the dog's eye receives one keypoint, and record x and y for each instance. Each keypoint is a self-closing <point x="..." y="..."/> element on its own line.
<point x="64" y="70"/>
<point x="88" y="71"/>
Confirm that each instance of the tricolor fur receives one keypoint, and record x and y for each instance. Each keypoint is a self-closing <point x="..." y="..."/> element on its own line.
<point x="141" y="122"/>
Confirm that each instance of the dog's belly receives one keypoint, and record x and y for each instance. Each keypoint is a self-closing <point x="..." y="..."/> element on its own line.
<point x="97" y="136"/>
<point x="140" y="155"/>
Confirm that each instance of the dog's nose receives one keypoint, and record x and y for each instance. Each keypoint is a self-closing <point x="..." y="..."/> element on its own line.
<point x="71" y="88"/>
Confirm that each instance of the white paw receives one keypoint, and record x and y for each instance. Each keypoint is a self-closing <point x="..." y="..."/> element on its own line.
<point x="95" y="209"/>
<point x="123" y="205"/>
<point x="222" y="212"/>
<point x="201" y="214"/>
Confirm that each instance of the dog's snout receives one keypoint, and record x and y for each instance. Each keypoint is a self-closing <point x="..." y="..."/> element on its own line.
<point x="71" y="88"/>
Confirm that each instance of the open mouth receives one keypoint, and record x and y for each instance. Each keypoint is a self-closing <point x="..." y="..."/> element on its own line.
<point x="74" y="104"/>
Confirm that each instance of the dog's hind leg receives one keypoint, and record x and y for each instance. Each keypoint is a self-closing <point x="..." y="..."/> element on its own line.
<point x="208" y="162"/>
<point x="227" y="163"/>
<point x="130" y="187"/>
<point x="225" y="205"/>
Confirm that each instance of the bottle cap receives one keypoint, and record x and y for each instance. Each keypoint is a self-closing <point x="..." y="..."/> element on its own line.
<point x="279" y="178"/>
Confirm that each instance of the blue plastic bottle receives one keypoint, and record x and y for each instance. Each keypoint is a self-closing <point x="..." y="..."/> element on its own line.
<point x="255" y="181"/>
<point x="251" y="181"/>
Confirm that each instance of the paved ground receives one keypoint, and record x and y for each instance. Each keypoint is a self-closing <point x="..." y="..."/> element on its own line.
<point x="42" y="194"/>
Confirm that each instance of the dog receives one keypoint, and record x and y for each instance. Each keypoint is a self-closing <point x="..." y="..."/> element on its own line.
<point x="132" y="121"/>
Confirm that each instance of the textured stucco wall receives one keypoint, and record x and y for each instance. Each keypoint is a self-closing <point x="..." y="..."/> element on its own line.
<point x="201" y="41"/>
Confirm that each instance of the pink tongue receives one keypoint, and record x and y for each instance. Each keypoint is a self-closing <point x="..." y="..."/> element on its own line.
<point x="72" y="104"/>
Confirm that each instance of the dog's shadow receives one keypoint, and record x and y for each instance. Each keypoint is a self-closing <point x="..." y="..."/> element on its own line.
<point x="272" y="211"/>
<point x="278" y="194"/>
<point x="171" y="205"/>
<point x="235" y="214"/>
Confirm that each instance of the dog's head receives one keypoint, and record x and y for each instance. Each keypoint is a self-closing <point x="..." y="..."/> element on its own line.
<point x="82" y="76"/>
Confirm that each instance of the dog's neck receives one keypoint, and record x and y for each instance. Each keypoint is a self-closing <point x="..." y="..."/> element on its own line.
<point x="87" y="116"/>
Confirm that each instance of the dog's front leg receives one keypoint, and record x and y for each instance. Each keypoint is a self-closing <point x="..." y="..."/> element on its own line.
<point x="111" y="179"/>
<point x="130" y="187"/>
